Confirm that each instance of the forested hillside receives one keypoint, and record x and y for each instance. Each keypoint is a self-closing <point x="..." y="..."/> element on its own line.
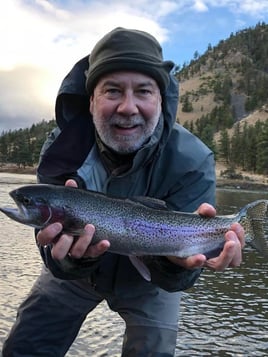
<point x="22" y="147"/>
<point x="223" y="100"/>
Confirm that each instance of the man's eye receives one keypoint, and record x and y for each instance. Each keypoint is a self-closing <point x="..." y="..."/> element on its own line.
<point x="112" y="91"/>
<point x="144" y="92"/>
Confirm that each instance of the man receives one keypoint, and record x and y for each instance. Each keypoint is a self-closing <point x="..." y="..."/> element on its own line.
<point x="118" y="137"/>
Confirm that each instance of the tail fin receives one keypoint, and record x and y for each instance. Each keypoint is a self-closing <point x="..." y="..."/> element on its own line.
<point x="254" y="219"/>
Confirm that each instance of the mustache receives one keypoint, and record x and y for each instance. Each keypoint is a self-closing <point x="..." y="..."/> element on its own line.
<point x="127" y="122"/>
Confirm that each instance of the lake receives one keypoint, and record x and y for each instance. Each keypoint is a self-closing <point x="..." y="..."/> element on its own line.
<point x="225" y="314"/>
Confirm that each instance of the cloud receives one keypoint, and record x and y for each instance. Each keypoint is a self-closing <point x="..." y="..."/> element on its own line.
<point x="43" y="33"/>
<point x="52" y="34"/>
<point x="24" y="97"/>
<point x="200" y="6"/>
<point x="247" y="7"/>
<point x="254" y="7"/>
<point x="41" y="39"/>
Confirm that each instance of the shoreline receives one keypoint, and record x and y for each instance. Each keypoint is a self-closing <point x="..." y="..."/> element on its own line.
<point x="18" y="171"/>
<point x="241" y="185"/>
<point x="250" y="183"/>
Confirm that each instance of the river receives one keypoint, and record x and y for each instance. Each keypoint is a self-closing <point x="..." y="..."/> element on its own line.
<point x="225" y="314"/>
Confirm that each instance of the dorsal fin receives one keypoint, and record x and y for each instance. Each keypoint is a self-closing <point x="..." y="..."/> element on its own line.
<point x="150" y="202"/>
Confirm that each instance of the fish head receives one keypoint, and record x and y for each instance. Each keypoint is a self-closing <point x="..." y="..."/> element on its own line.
<point x="32" y="209"/>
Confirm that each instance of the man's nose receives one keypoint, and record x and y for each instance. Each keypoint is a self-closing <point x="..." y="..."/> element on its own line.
<point x="128" y="105"/>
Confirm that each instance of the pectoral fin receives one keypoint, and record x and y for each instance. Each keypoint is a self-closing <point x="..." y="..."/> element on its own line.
<point x="141" y="267"/>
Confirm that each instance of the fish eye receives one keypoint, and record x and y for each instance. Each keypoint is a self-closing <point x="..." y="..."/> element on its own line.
<point x="26" y="201"/>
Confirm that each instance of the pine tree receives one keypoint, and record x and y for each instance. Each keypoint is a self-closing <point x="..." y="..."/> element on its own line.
<point x="262" y="150"/>
<point x="224" y="146"/>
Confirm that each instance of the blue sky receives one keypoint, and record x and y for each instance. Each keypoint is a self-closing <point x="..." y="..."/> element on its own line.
<point x="42" y="40"/>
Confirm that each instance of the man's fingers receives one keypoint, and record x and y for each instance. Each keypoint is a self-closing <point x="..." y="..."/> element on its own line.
<point x="205" y="209"/>
<point x="230" y="256"/>
<point x="71" y="183"/>
<point x="240" y="232"/>
<point x="67" y="244"/>
<point x="192" y="262"/>
<point x="62" y="247"/>
<point x="48" y="234"/>
<point x="98" y="249"/>
<point x="80" y="246"/>
<point x="234" y="251"/>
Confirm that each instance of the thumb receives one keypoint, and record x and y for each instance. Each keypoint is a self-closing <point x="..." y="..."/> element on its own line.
<point x="71" y="183"/>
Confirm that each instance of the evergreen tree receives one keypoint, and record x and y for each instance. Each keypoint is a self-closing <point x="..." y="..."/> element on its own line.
<point x="224" y="146"/>
<point x="262" y="150"/>
<point x="22" y="147"/>
<point x="186" y="104"/>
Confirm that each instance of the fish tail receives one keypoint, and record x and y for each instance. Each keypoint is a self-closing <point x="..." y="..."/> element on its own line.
<point x="253" y="218"/>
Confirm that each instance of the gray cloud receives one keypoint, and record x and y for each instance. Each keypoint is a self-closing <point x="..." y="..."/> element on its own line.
<point x="42" y="39"/>
<point x="21" y="100"/>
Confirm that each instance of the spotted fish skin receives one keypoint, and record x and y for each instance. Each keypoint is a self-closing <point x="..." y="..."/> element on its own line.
<point x="138" y="226"/>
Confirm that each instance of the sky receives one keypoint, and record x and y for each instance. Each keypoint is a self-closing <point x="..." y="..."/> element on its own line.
<point x="42" y="39"/>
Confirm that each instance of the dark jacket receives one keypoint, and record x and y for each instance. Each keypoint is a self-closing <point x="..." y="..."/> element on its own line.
<point x="174" y="166"/>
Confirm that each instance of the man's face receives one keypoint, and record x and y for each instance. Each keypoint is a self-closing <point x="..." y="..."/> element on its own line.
<point x="125" y="107"/>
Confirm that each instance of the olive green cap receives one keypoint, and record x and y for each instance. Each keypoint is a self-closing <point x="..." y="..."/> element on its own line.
<point x="125" y="49"/>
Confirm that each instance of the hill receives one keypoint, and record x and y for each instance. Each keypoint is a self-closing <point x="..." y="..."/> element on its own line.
<point x="224" y="99"/>
<point x="233" y="73"/>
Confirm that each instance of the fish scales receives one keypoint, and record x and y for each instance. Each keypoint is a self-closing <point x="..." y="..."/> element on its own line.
<point x="138" y="226"/>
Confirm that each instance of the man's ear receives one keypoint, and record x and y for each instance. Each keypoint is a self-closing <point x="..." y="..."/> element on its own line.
<point x="91" y="103"/>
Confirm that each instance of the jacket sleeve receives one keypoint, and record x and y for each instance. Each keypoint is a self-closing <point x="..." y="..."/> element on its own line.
<point x="194" y="189"/>
<point x="169" y="276"/>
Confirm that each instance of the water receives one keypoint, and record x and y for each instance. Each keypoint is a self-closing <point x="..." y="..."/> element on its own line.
<point x="225" y="314"/>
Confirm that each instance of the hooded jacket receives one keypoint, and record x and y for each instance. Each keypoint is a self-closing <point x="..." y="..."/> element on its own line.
<point x="174" y="166"/>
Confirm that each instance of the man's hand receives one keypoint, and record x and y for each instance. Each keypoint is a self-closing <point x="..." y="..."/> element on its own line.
<point x="67" y="244"/>
<point x="230" y="256"/>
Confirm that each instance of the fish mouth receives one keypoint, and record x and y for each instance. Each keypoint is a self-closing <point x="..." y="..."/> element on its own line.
<point x="18" y="213"/>
<point x="27" y="212"/>
<point x="23" y="215"/>
<point x="14" y="213"/>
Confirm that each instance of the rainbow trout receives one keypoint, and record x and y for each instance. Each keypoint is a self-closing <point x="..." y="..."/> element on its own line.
<point x="138" y="226"/>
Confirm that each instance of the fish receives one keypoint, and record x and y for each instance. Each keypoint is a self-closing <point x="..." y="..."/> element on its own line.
<point x="135" y="226"/>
